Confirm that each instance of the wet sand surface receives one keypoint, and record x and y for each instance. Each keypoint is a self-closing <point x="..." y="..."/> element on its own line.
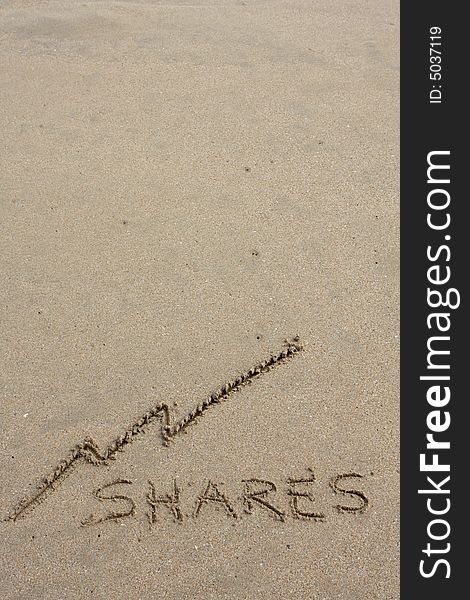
<point x="184" y="186"/>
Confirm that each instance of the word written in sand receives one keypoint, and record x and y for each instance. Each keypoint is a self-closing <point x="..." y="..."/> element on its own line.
<point x="88" y="450"/>
<point x="294" y="499"/>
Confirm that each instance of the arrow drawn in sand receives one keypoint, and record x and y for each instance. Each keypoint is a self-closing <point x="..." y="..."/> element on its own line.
<point x="88" y="450"/>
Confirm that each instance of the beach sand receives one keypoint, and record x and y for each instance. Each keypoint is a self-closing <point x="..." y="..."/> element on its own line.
<point x="185" y="185"/>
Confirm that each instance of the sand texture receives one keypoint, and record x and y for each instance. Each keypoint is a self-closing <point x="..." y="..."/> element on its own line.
<point x="199" y="300"/>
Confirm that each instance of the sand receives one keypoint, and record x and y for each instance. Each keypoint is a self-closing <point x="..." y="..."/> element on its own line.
<point x="185" y="186"/>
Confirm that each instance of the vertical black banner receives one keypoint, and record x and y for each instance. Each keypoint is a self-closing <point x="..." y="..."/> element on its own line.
<point x="434" y="253"/>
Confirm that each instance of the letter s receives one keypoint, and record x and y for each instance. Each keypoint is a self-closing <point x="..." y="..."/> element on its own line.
<point x="360" y="496"/>
<point x="434" y="569"/>
<point x="129" y="512"/>
<point x="438" y="253"/>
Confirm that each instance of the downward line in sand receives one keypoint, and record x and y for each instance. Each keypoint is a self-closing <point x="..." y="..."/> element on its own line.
<point x="88" y="451"/>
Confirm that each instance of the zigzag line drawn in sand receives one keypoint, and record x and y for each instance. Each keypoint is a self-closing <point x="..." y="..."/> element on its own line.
<point x="88" y="451"/>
